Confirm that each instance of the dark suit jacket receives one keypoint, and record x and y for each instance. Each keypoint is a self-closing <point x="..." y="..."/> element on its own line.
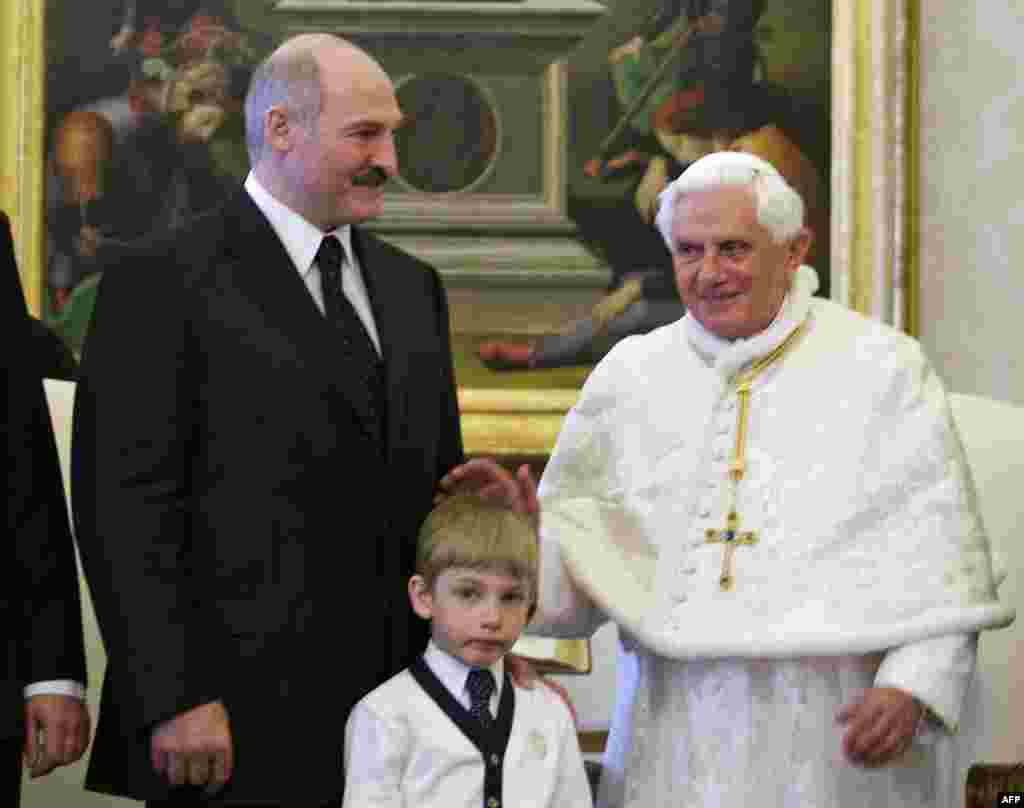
<point x="52" y="356"/>
<point x="243" y="537"/>
<point x="40" y="609"/>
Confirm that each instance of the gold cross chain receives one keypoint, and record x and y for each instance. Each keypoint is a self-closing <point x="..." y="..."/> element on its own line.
<point x="731" y="536"/>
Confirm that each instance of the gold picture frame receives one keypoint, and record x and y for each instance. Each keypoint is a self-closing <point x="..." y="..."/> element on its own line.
<point x="22" y="138"/>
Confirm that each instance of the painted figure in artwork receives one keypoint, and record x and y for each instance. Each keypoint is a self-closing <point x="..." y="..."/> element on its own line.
<point x="692" y="82"/>
<point x="126" y="166"/>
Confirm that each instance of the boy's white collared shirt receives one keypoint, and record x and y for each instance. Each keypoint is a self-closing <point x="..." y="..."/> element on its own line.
<point x="453" y="673"/>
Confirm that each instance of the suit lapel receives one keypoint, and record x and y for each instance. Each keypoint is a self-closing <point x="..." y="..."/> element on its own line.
<point x="263" y="272"/>
<point x="390" y="314"/>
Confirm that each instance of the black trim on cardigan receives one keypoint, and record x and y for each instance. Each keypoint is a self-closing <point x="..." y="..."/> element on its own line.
<point x="491" y="743"/>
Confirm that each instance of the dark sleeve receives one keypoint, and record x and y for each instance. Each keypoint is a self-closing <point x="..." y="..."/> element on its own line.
<point x="38" y="519"/>
<point x="44" y="577"/>
<point x="134" y="420"/>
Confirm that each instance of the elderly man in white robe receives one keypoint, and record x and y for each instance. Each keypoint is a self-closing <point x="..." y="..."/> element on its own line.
<point x="770" y="499"/>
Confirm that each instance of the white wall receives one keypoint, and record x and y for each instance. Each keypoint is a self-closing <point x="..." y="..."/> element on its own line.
<point x="972" y="194"/>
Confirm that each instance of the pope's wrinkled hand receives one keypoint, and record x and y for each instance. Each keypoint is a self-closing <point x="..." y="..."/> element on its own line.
<point x="491" y="481"/>
<point x="880" y="726"/>
<point x="194" y="747"/>
<point x="57" y="730"/>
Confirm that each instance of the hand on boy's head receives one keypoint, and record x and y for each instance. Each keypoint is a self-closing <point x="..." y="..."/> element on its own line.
<point x="490" y="481"/>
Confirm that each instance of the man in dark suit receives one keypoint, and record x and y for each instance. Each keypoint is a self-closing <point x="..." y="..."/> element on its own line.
<point x="257" y="438"/>
<point x="43" y="674"/>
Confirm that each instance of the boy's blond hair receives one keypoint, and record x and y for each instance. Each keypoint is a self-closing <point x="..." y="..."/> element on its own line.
<point x="467" y="531"/>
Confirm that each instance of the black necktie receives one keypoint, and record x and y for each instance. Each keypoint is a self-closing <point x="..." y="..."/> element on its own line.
<point x="355" y="341"/>
<point x="480" y="684"/>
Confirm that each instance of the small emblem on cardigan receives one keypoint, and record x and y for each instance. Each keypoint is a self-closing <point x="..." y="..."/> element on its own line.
<point x="536" y="745"/>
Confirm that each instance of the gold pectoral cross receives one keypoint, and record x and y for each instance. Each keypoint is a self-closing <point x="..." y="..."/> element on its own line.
<point x="730" y="538"/>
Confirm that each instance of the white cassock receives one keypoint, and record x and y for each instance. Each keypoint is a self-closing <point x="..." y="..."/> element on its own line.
<point x="871" y="565"/>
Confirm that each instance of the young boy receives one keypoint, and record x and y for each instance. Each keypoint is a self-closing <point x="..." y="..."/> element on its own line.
<point x="452" y="730"/>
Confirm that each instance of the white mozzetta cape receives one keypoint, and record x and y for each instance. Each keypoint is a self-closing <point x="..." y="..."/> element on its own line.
<point x="869" y="536"/>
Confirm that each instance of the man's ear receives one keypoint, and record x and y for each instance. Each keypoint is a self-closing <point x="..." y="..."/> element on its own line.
<point x="420" y="597"/>
<point x="278" y="131"/>
<point x="799" y="246"/>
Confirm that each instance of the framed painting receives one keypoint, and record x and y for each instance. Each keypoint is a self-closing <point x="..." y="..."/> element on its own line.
<point x="846" y="76"/>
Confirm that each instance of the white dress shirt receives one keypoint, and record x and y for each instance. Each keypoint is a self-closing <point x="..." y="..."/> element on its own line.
<point x="453" y="673"/>
<point x="301" y="240"/>
<point x="57" y="687"/>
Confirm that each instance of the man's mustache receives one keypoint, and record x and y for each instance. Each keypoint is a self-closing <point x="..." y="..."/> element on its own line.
<point x="373" y="177"/>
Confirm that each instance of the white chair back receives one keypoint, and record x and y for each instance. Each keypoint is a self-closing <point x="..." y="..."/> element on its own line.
<point x="992" y="729"/>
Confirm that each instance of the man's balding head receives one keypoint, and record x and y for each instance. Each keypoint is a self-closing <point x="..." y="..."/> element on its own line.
<point x="320" y="118"/>
<point x="291" y="78"/>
